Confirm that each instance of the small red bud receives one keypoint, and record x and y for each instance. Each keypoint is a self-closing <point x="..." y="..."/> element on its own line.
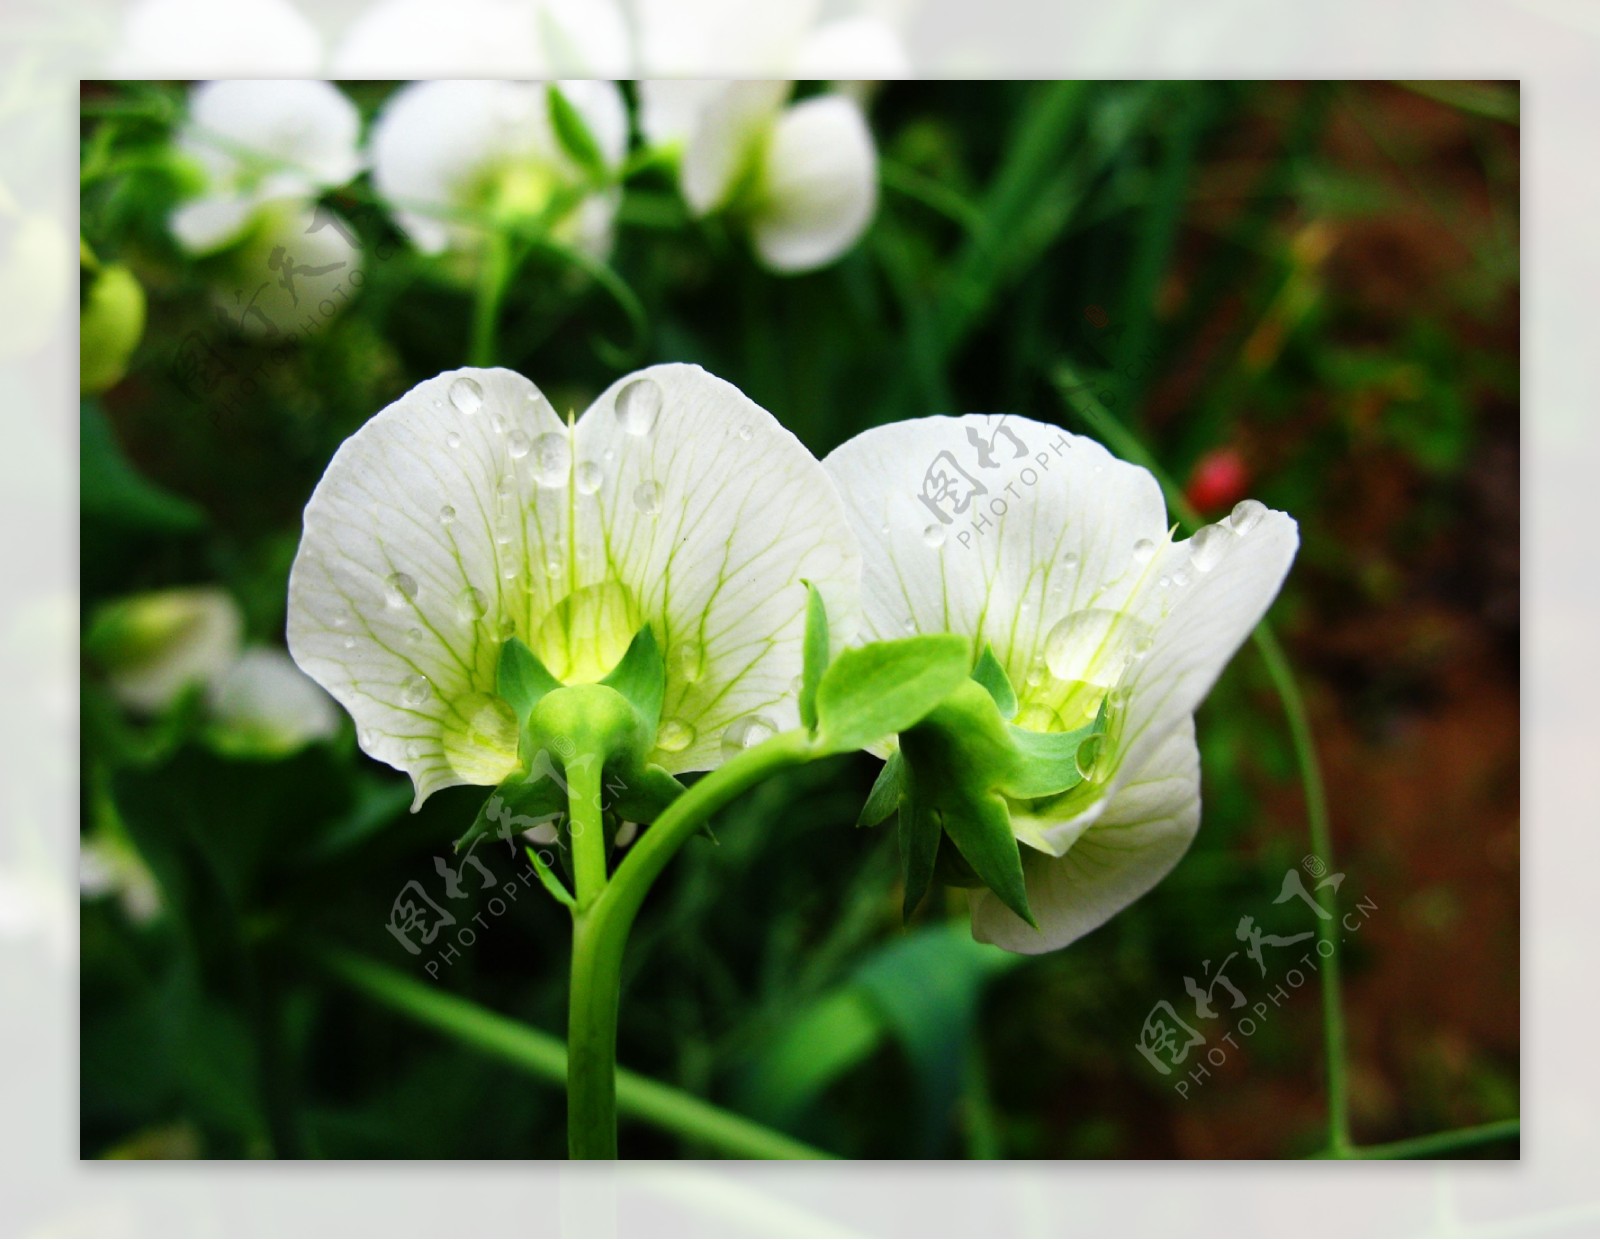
<point x="1219" y="480"/>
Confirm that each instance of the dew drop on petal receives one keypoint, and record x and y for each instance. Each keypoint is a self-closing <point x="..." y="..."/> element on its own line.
<point x="745" y="733"/>
<point x="552" y="460"/>
<point x="1143" y="551"/>
<point x="647" y="496"/>
<point x="517" y="445"/>
<point x="415" y="690"/>
<point x="745" y="434"/>
<point x="349" y="643"/>
<point x="1246" y="515"/>
<point x="934" y="535"/>
<point x="1088" y="755"/>
<point x="480" y="738"/>
<point x="341" y="619"/>
<point x="452" y="440"/>
<point x="473" y="604"/>
<point x="638" y="406"/>
<point x="466" y="395"/>
<point x="401" y="589"/>
<point x="553" y="568"/>
<point x="688" y="661"/>
<point x="674" y="736"/>
<point x="589" y="478"/>
<point x="1208" y="546"/>
<point x="1070" y="560"/>
<point x="1092" y="646"/>
<point x="447" y="514"/>
<point x="1180" y="578"/>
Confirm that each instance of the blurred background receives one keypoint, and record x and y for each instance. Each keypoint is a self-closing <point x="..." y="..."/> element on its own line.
<point x="1306" y="293"/>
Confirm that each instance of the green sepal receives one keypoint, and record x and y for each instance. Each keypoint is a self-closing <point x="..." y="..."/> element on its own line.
<point x="876" y="690"/>
<point x="992" y="677"/>
<point x="956" y="760"/>
<point x="815" y="656"/>
<point x="920" y="831"/>
<point x="887" y="792"/>
<point x="642" y="792"/>
<point x="641" y="678"/>
<point x="572" y="131"/>
<point x="520" y="803"/>
<point x="1048" y="761"/>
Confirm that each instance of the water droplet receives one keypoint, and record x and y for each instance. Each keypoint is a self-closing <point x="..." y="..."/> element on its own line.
<point x="349" y="643"/>
<point x="1070" y="560"/>
<point x="414" y="636"/>
<point x="1142" y="646"/>
<point x="744" y="733"/>
<point x="447" y="514"/>
<point x="1036" y="672"/>
<point x="589" y="478"/>
<point x="638" y="406"/>
<point x="473" y="604"/>
<point x="647" y="496"/>
<point x="1180" y="578"/>
<point x="517" y="445"/>
<point x="499" y="423"/>
<point x="1208" y="546"/>
<point x="364" y="738"/>
<point x="1143" y="551"/>
<point x="1246" y="515"/>
<point x="552" y="460"/>
<point x="554" y="568"/>
<point x="480" y="738"/>
<point x="1091" y="646"/>
<point x="797" y="685"/>
<point x="402" y="588"/>
<point x="341" y="619"/>
<point x="934" y="535"/>
<point x="415" y="690"/>
<point x="452" y="440"/>
<point x="674" y="736"/>
<point x="689" y="661"/>
<point x="466" y="395"/>
<point x="745" y="433"/>
<point x="509" y="572"/>
<point x="507" y="628"/>
<point x="1089" y="754"/>
<point x="609" y="455"/>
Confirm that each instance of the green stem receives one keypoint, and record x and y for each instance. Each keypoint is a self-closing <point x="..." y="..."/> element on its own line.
<point x="492" y="281"/>
<point x="1435" y="1143"/>
<point x="596" y="978"/>
<point x="542" y="1056"/>
<point x="1127" y="445"/>
<point x="604" y="914"/>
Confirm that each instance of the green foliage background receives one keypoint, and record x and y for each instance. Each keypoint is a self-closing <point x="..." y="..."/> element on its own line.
<point x="1319" y="278"/>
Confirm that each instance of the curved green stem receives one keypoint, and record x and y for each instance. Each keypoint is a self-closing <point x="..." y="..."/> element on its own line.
<point x="604" y="914"/>
<point x="492" y="282"/>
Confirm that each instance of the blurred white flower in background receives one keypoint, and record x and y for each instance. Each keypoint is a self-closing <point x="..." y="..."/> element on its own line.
<point x="155" y="646"/>
<point x="485" y="39"/>
<point x="789" y="39"/>
<point x="265" y="706"/>
<point x="450" y="156"/>
<point x="259" y="142"/>
<point x="201" y="38"/>
<point x="802" y="179"/>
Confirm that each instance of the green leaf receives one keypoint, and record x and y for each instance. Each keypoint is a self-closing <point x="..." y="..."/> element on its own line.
<point x="993" y="677"/>
<point x="887" y="791"/>
<point x="573" y="134"/>
<point x="641" y="677"/>
<point x="113" y="489"/>
<point x="882" y="688"/>
<point x="816" y="656"/>
<point x="547" y="876"/>
<point x="520" y="678"/>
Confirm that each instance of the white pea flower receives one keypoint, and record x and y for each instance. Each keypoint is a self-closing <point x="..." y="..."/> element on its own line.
<point x="152" y="647"/>
<point x="265" y="706"/>
<point x="1056" y="555"/>
<point x="486" y="38"/>
<point x="452" y="157"/>
<point x="801" y="178"/>
<point x="258" y="143"/>
<point x="469" y="512"/>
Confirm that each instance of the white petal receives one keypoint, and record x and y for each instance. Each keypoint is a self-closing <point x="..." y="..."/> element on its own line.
<point x="307" y="127"/>
<point x="992" y="526"/>
<point x="443" y="39"/>
<point x="819" y="185"/>
<point x="158" y="645"/>
<point x="187" y="39"/>
<point x="267" y="705"/>
<point x="721" y="38"/>
<point x="587" y="38"/>
<point x="295" y="273"/>
<point x="1134" y="844"/>
<point x="669" y="108"/>
<point x="468" y="511"/>
<point x="209" y="224"/>
<point x="859" y="48"/>
<point x="725" y="141"/>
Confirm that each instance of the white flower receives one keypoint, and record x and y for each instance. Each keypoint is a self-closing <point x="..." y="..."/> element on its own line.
<point x="1057" y="555"/>
<point x="803" y="179"/>
<point x="452" y="156"/>
<point x="154" y="646"/>
<point x="485" y="38"/>
<point x="469" y="512"/>
<point x="258" y="143"/>
<point x="265" y="706"/>
<point x="200" y="38"/>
